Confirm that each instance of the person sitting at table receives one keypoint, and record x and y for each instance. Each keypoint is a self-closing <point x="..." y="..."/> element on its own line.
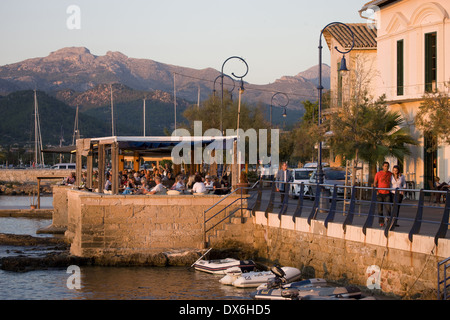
<point x="199" y="186"/>
<point x="191" y="181"/>
<point x="159" y="188"/>
<point x="440" y="187"/>
<point x="217" y="187"/>
<point x="143" y="188"/>
<point x="129" y="189"/>
<point x="208" y="182"/>
<point x="71" y="178"/>
<point x="108" y="183"/>
<point x="179" y="184"/>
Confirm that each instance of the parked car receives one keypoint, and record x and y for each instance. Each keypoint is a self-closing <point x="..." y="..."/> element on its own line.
<point x="64" y="166"/>
<point x="332" y="176"/>
<point x="268" y="172"/>
<point x="300" y="175"/>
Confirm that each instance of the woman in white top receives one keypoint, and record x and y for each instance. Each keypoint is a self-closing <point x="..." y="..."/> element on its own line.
<point x="199" y="186"/>
<point x="397" y="181"/>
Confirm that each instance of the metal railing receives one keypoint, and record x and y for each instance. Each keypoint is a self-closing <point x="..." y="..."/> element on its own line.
<point x="330" y="201"/>
<point x="238" y="191"/>
<point x="444" y="293"/>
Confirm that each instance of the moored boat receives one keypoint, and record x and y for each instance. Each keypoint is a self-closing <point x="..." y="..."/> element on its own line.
<point x="326" y="292"/>
<point x="221" y="265"/>
<point x="254" y="279"/>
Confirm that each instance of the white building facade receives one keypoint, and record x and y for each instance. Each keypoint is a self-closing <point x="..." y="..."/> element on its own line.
<point x="413" y="57"/>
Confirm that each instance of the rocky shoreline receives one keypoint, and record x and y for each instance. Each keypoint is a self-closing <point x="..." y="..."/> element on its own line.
<point x="40" y="253"/>
<point x="17" y="188"/>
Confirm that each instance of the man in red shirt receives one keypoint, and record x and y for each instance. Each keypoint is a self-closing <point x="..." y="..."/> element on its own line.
<point x="383" y="180"/>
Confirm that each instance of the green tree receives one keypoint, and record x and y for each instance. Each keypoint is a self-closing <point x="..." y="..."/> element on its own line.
<point x="370" y="132"/>
<point x="433" y="117"/>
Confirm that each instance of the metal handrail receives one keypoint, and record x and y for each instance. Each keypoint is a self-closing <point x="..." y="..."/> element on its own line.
<point x="205" y="231"/>
<point x="353" y="201"/>
<point x="446" y="290"/>
<point x="230" y="194"/>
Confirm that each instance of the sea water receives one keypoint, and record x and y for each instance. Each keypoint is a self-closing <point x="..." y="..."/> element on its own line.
<point x="105" y="283"/>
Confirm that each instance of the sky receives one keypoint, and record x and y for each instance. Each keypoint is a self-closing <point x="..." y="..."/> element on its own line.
<point x="275" y="38"/>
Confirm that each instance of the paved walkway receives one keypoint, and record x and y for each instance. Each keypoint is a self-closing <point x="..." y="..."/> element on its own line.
<point x="432" y="213"/>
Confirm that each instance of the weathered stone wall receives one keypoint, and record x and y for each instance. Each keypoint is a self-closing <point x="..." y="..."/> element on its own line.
<point x="60" y="206"/>
<point x="30" y="176"/>
<point x="406" y="269"/>
<point x="112" y="225"/>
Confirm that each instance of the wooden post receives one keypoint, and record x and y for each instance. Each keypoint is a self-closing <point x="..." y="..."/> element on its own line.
<point x="38" y="193"/>
<point x="115" y="168"/>
<point x="136" y="162"/>
<point x="79" y="162"/>
<point x="101" y="167"/>
<point x="89" y="167"/>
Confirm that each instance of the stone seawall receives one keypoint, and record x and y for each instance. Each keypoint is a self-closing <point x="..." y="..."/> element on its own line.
<point x="113" y="226"/>
<point x="398" y="266"/>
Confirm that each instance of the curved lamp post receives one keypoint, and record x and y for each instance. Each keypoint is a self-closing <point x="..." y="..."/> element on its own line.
<point x="343" y="67"/>
<point x="282" y="106"/>
<point x="221" y="76"/>
<point x="234" y="75"/>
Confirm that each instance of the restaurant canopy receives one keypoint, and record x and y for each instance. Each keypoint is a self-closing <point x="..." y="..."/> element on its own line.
<point x="140" y="148"/>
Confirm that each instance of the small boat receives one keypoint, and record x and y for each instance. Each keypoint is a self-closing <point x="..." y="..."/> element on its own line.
<point x="236" y="278"/>
<point x="308" y="292"/>
<point x="220" y="266"/>
<point x="304" y="284"/>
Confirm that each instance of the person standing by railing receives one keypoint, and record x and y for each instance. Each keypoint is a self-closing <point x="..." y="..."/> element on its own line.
<point x="397" y="181"/>
<point x="283" y="175"/>
<point x="383" y="180"/>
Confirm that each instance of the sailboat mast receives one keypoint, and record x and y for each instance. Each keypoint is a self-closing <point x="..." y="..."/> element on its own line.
<point x="36" y="158"/>
<point x="39" y="156"/>
<point x="76" y="132"/>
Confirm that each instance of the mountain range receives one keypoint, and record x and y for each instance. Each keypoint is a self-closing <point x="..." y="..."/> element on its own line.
<point x="73" y="77"/>
<point x="76" y="69"/>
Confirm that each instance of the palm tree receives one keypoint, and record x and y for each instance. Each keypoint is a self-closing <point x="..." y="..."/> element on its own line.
<point x="370" y="132"/>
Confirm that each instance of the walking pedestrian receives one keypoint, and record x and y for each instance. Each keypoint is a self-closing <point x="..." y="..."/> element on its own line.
<point x="383" y="180"/>
<point x="397" y="181"/>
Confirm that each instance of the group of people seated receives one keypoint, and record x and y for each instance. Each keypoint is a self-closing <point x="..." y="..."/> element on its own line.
<point x="162" y="181"/>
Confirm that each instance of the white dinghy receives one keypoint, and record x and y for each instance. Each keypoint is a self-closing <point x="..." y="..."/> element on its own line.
<point x="220" y="266"/>
<point x="238" y="279"/>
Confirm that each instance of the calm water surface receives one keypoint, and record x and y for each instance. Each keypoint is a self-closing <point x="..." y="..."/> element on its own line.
<point x="172" y="283"/>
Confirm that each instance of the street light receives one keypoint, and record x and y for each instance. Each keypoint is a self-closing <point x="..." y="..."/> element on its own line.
<point x="343" y="67"/>
<point x="222" y="76"/>
<point x="282" y="106"/>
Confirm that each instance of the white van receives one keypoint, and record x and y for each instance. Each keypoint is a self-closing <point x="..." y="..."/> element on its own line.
<point x="65" y="166"/>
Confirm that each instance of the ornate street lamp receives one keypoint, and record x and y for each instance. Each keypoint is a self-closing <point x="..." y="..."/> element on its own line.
<point x="282" y="106"/>
<point x="343" y="67"/>
<point x="222" y="76"/>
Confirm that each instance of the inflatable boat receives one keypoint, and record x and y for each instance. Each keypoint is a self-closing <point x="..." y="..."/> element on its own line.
<point x="236" y="278"/>
<point x="304" y="284"/>
<point x="220" y="266"/>
<point x="326" y="292"/>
